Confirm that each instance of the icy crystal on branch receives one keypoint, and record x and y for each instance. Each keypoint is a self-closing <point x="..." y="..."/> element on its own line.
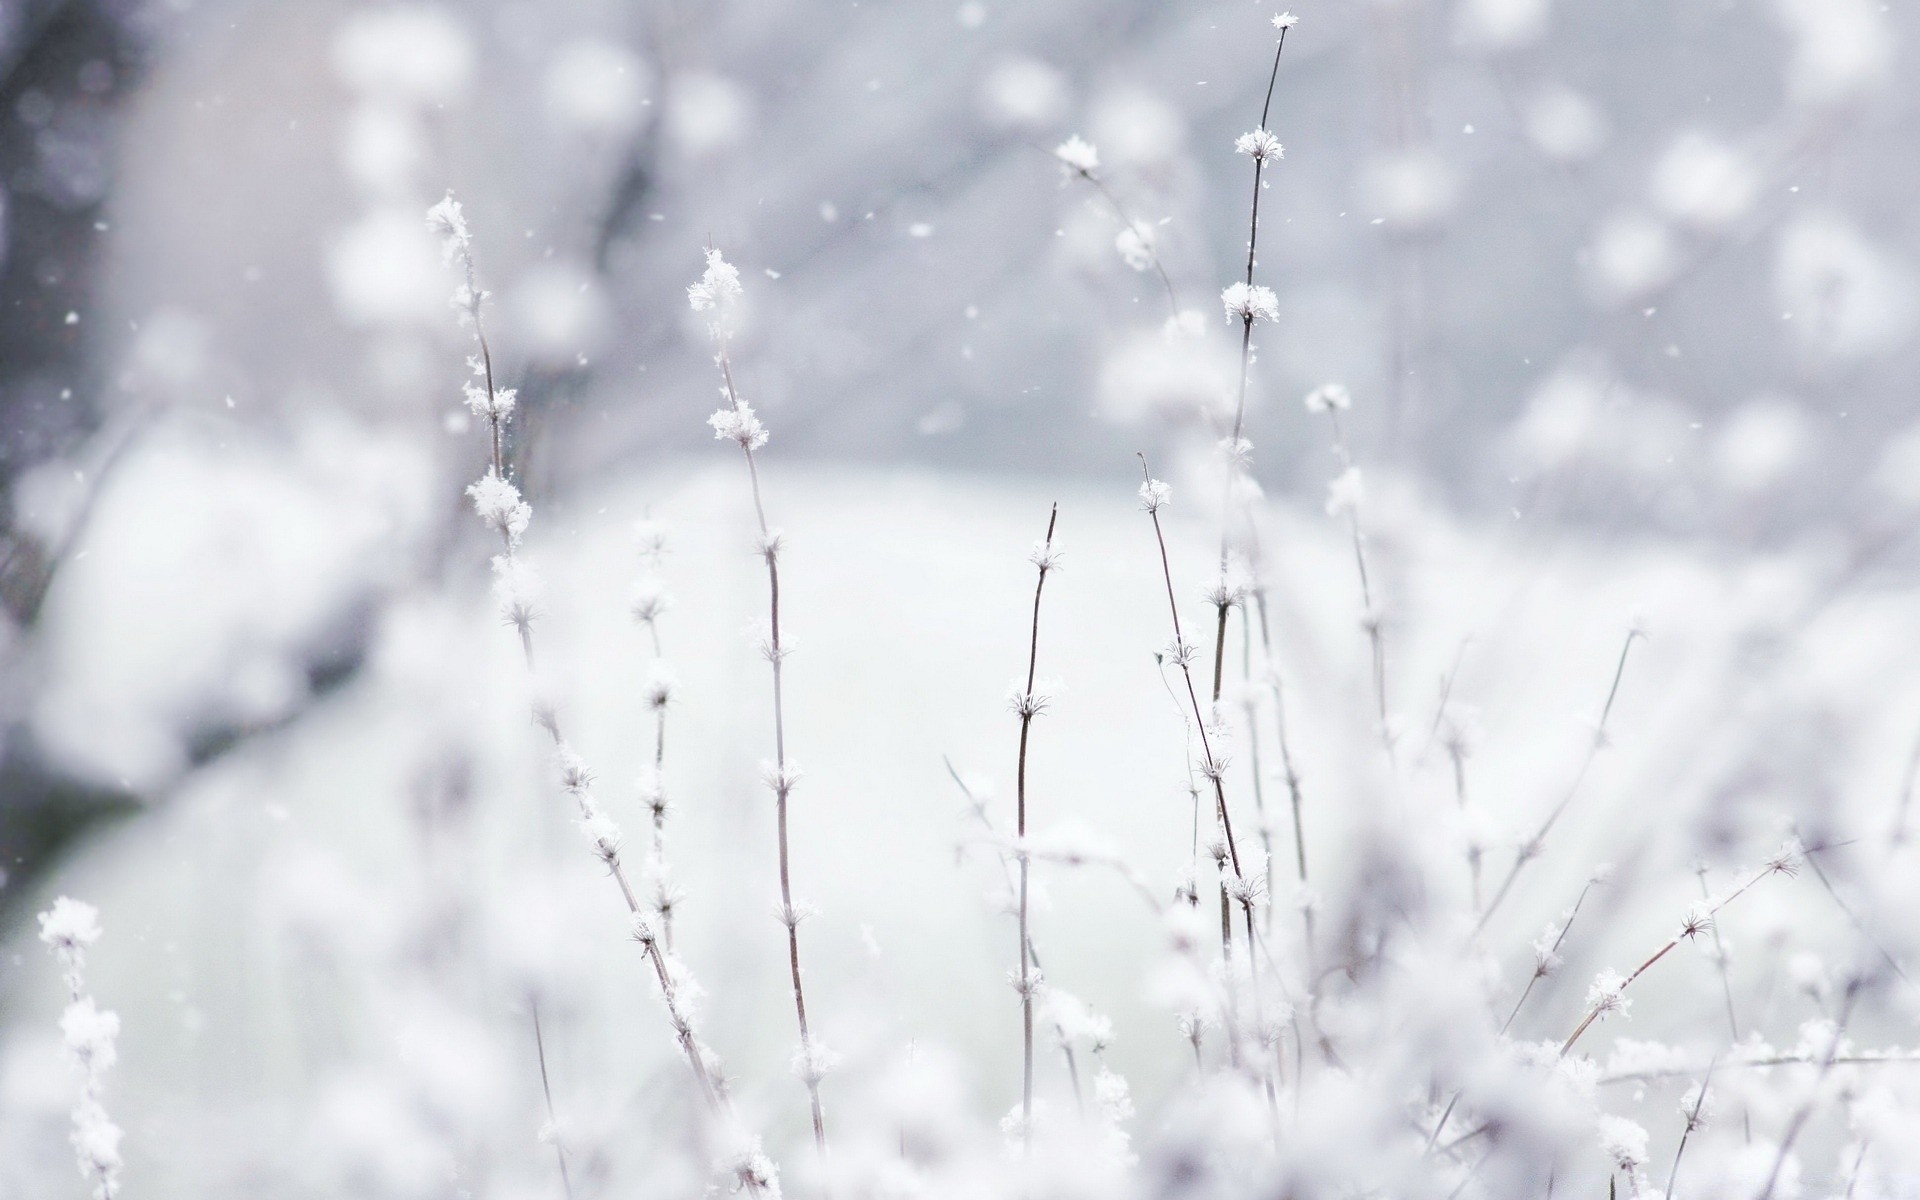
<point x="1260" y="145"/>
<point x="739" y="424"/>
<point x="1255" y="303"/>
<point x="446" y="220"/>
<point x="1078" y="154"/>
<point x="718" y="287"/>
<point x="1329" y="397"/>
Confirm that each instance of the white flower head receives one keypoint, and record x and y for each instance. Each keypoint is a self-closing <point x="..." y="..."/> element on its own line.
<point x="649" y="601"/>
<point x="89" y="1034"/>
<point x="1607" y="994"/>
<point x="718" y="286"/>
<point x="494" y="404"/>
<point x="660" y="686"/>
<point x="1046" y="555"/>
<point x="1078" y="155"/>
<point x="1346" y="493"/>
<point x="1623" y="1141"/>
<point x="70" y="926"/>
<point x="813" y="1062"/>
<point x="1259" y="145"/>
<point x="1154" y="495"/>
<point x="1285" y="21"/>
<point x="1329" y="397"/>
<point x="739" y="424"/>
<point x="499" y="504"/>
<point x="1699" y="920"/>
<point x="450" y="223"/>
<point x="650" y="538"/>
<point x="1256" y="303"/>
<point x="1135" y="245"/>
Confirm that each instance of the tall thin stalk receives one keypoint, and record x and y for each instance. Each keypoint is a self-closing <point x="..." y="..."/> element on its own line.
<point x="1530" y="849"/>
<point x="978" y="807"/>
<point x="1696" y="923"/>
<point x="1028" y="704"/>
<point x="724" y="285"/>
<point x="1153" y="495"/>
<point x="546" y="1092"/>
<point x="499" y="504"/>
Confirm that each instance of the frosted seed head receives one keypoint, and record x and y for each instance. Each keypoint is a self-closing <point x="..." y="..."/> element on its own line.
<point x="1329" y="397"/>
<point x="1260" y="146"/>
<point x="70" y="926"/>
<point x="1346" y="493"/>
<point x="1256" y="303"/>
<point x="718" y="286"/>
<point x="737" y="423"/>
<point x="1078" y="155"/>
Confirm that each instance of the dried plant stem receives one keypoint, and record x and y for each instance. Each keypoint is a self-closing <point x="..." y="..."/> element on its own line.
<point x="1781" y="865"/>
<point x="1542" y="967"/>
<point x="783" y="779"/>
<point x="664" y="899"/>
<point x="546" y="1091"/>
<point x="706" y="1078"/>
<point x="1693" y="1123"/>
<point x="1801" y="1115"/>
<point x="1294" y="798"/>
<point x="1002" y="856"/>
<point x="1371" y="619"/>
<point x="1530" y="849"/>
<point x="1457" y="756"/>
<point x="1250" y="710"/>
<point x="1212" y="767"/>
<point x="1029" y="707"/>
<point x="1120" y="213"/>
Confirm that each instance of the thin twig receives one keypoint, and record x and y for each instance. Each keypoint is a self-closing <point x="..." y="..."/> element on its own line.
<point x="1530" y="849"/>
<point x="1028" y="706"/>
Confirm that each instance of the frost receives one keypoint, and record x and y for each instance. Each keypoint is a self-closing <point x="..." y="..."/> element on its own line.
<point x="1256" y="303"/>
<point x="1076" y="154"/>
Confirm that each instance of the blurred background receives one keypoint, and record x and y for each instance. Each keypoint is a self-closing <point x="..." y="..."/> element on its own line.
<point x="1625" y="295"/>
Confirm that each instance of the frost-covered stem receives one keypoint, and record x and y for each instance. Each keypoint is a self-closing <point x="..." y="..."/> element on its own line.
<point x="546" y="1092"/>
<point x="1371" y="619"/>
<point x="1294" y="798"/>
<point x="1120" y="213"/>
<point x="783" y="780"/>
<point x="1213" y="768"/>
<point x="1801" y="1115"/>
<point x="1782" y="864"/>
<point x="1530" y="849"/>
<point x="1720" y="959"/>
<point x="1027" y="709"/>
<point x="1250" y="711"/>
<point x="979" y="810"/>
<point x="1234" y="448"/>
<point x="509" y="516"/>
<point x="1253" y="242"/>
<point x="659" y="698"/>
<point x="1693" y="1123"/>
<point x="1456" y="754"/>
<point x="1853" y="1176"/>
<point x="1542" y="966"/>
<point x="68" y="929"/>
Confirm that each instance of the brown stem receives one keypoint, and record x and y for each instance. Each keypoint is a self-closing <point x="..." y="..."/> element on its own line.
<point x="1028" y="709"/>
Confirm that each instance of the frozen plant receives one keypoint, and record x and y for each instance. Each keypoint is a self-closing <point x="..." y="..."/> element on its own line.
<point x="68" y="929"/>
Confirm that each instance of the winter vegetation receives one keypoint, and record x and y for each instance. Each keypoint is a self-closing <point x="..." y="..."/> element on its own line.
<point x="1277" y="749"/>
